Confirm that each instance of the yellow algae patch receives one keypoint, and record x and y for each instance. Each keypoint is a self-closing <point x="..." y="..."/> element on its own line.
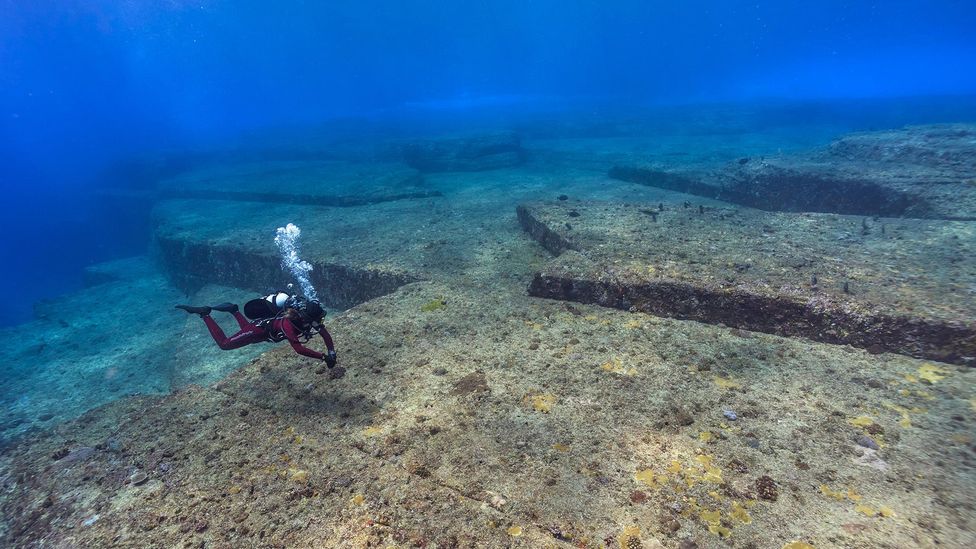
<point x="629" y="537"/>
<point x="675" y="466"/>
<point x="852" y="495"/>
<point x="646" y="476"/>
<point x="719" y="530"/>
<point x="712" y="473"/>
<point x="533" y="325"/>
<point x="234" y="489"/>
<point x="298" y="439"/>
<point x="825" y="490"/>
<point x="906" y="420"/>
<point x="726" y="383"/>
<point x="886" y="511"/>
<point x="616" y="366"/>
<point x="357" y="500"/>
<point x="972" y="404"/>
<point x="910" y="378"/>
<point x="798" y="545"/>
<point x="543" y="403"/>
<point x="559" y="447"/>
<point x="861" y="421"/>
<point x="633" y="325"/>
<point x="297" y="475"/>
<point x="739" y="513"/>
<point x="433" y="305"/>
<point x="372" y="431"/>
<point x="932" y="373"/>
<point x="711" y="516"/>
<point x="866" y="510"/>
<point x="515" y="531"/>
<point x="706" y="436"/>
<point x="714" y="521"/>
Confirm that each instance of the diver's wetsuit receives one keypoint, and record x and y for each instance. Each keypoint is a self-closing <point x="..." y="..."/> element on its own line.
<point x="255" y="333"/>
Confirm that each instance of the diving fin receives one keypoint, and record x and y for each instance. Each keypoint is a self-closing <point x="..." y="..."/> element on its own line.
<point x="195" y="310"/>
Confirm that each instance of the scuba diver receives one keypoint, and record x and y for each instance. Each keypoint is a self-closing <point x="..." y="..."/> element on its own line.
<point x="273" y="318"/>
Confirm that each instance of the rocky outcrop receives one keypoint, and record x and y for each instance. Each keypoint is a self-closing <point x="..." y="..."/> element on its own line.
<point x="824" y="277"/>
<point x="922" y="172"/>
<point x="333" y="183"/>
<point x="464" y="154"/>
<point x="194" y="264"/>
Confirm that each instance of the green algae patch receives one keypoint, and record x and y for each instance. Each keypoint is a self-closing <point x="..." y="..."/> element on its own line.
<point x="433" y="305"/>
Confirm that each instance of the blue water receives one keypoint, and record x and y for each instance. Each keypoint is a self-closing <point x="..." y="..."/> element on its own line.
<point x="89" y="88"/>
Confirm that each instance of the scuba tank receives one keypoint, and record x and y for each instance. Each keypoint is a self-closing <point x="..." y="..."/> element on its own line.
<point x="266" y="307"/>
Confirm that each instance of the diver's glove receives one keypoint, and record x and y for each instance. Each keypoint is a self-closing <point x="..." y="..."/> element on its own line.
<point x="330" y="359"/>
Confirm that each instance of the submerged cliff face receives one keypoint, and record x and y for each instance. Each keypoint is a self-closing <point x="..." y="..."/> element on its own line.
<point x="641" y="405"/>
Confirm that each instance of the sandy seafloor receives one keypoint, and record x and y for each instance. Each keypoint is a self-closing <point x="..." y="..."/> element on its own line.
<point x="472" y="415"/>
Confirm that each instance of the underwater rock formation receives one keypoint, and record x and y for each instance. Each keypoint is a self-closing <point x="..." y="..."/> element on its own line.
<point x="324" y="183"/>
<point x="822" y="276"/>
<point x="279" y="454"/>
<point x="919" y="171"/>
<point x="233" y="246"/>
<point x="129" y="268"/>
<point x="465" y="154"/>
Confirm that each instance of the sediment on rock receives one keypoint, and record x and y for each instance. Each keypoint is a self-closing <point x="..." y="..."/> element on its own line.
<point x="925" y="172"/>
<point x="775" y="273"/>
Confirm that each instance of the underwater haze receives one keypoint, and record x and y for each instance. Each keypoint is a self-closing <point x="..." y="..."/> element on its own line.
<point x="502" y="273"/>
<point x="85" y="86"/>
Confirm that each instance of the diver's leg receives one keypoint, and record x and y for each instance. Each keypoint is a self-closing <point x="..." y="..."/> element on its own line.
<point x="233" y="309"/>
<point x="249" y="334"/>
<point x="215" y="331"/>
<point x="241" y="320"/>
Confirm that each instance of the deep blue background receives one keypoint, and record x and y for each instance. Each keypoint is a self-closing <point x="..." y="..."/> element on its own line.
<point x="85" y="83"/>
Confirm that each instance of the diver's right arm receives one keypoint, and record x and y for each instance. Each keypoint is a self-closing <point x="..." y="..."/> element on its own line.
<point x="292" y="334"/>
